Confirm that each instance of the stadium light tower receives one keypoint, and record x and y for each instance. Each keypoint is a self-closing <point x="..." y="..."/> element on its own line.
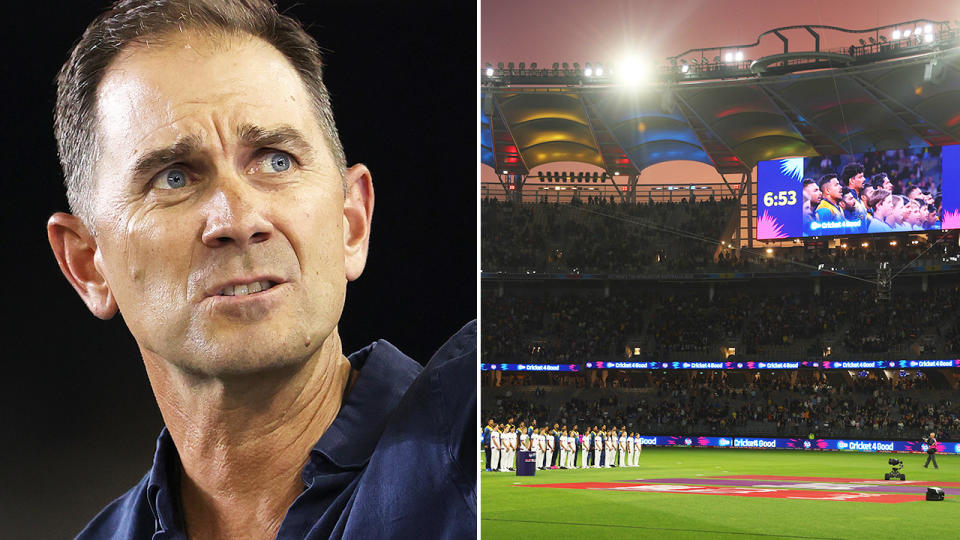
<point x="895" y="34"/>
<point x="489" y="70"/>
<point x="598" y="71"/>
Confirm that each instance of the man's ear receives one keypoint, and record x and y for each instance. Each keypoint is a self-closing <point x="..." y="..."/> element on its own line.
<point x="76" y="249"/>
<point x="357" y="213"/>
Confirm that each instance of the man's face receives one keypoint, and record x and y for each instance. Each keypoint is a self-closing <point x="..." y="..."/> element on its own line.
<point x="856" y="182"/>
<point x="813" y="193"/>
<point x="831" y="190"/>
<point x="248" y="193"/>
<point x="912" y="213"/>
<point x="848" y="202"/>
<point x="887" y="184"/>
<point x="866" y="194"/>
<point x="884" y="207"/>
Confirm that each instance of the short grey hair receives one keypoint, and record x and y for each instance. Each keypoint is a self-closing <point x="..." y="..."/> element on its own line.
<point x="135" y="21"/>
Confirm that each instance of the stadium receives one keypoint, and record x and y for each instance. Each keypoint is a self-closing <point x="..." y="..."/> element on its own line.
<point x="771" y="351"/>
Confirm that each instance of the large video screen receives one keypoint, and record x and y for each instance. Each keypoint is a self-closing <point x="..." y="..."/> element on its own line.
<point x="911" y="189"/>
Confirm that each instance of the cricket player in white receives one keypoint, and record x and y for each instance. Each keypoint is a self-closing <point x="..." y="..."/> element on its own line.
<point x="630" y="450"/>
<point x="494" y="449"/>
<point x="636" y="451"/>
<point x="511" y="436"/>
<point x="524" y="440"/>
<point x="585" y="446"/>
<point x="611" y="448"/>
<point x="622" y="462"/>
<point x="572" y="450"/>
<point x="562" y="462"/>
<point x="539" y="446"/>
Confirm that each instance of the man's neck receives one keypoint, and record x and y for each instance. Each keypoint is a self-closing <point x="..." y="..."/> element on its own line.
<point x="244" y="441"/>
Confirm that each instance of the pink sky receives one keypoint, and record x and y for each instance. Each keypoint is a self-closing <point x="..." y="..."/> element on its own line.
<point x="547" y="31"/>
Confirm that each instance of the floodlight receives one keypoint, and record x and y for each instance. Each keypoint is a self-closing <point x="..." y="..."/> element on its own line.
<point x="631" y="71"/>
<point x="928" y="29"/>
<point x="685" y="67"/>
<point x="728" y="57"/>
<point x="928" y="38"/>
<point x="906" y="33"/>
<point x="489" y="71"/>
<point x="587" y="70"/>
<point x="917" y="30"/>
<point x="598" y="71"/>
<point x="895" y="34"/>
<point x="739" y="56"/>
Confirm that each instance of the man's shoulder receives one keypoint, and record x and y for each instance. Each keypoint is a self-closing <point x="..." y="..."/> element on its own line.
<point x="422" y="475"/>
<point x="129" y="516"/>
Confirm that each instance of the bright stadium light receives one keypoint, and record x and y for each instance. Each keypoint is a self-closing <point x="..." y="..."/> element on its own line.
<point x="598" y="71"/>
<point x="685" y="67"/>
<point x="587" y="70"/>
<point x="928" y="29"/>
<point x="917" y="30"/>
<point x="906" y="33"/>
<point x="728" y="57"/>
<point x="632" y="71"/>
<point x="739" y="56"/>
<point x="928" y="38"/>
<point x="895" y="34"/>
<point x="489" y="70"/>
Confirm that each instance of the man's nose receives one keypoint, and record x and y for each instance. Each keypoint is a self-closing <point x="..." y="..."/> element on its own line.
<point x="234" y="214"/>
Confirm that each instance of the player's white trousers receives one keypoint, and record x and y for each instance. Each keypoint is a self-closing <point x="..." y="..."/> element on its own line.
<point x="494" y="459"/>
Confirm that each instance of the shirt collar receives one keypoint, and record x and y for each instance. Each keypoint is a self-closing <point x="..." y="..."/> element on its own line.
<point x="163" y="484"/>
<point x="386" y="373"/>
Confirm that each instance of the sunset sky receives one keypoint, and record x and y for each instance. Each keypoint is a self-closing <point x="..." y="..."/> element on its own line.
<point x="603" y="30"/>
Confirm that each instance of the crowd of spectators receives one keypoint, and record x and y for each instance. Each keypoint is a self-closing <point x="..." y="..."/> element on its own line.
<point x="659" y="237"/>
<point x="758" y="404"/>
<point x="576" y="328"/>
<point x="599" y="236"/>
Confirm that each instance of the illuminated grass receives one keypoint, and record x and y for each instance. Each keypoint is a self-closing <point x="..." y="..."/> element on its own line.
<point x="519" y="512"/>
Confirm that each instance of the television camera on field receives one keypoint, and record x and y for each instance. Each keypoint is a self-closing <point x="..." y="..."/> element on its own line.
<point x="895" y="473"/>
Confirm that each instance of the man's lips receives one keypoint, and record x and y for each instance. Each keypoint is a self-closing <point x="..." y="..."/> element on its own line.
<point x="244" y="286"/>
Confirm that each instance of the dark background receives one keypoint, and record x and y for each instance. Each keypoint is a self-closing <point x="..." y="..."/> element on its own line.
<point x="79" y="420"/>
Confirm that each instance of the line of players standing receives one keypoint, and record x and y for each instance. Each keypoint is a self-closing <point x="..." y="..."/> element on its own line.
<point x="559" y="447"/>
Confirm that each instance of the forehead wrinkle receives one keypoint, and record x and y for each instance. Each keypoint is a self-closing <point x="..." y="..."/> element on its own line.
<point x="183" y="148"/>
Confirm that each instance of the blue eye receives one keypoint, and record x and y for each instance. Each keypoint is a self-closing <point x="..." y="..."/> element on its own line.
<point x="279" y="161"/>
<point x="176" y="178"/>
<point x="171" y="179"/>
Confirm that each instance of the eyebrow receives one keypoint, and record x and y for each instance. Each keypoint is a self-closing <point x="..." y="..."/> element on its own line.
<point x="250" y="135"/>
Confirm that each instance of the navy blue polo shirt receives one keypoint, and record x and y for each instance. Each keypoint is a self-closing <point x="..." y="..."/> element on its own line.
<point x="397" y="461"/>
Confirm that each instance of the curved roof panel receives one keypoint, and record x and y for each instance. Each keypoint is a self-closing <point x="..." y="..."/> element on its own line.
<point x="730" y="124"/>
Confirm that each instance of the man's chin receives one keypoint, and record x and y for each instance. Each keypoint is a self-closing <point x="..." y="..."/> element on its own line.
<point x="233" y="364"/>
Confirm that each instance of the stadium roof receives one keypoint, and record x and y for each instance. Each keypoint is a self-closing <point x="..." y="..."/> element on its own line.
<point x="728" y="124"/>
